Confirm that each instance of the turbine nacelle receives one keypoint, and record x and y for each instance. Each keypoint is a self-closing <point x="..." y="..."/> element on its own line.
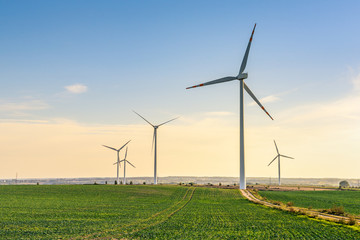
<point x="242" y="76"/>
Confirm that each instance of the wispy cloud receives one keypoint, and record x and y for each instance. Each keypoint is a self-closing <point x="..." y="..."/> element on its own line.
<point x="273" y="97"/>
<point x="6" y="106"/>
<point x="356" y="83"/>
<point x="268" y="99"/>
<point x="218" y="114"/>
<point x="339" y="112"/>
<point x="34" y="121"/>
<point x="76" y="88"/>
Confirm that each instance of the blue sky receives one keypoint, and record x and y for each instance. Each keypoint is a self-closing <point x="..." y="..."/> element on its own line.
<point x="141" y="55"/>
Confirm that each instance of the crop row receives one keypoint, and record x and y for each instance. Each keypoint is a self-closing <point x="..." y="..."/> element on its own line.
<point x="224" y="214"/>
<point x="52" y="212"/>
<point x="149" y="212"/>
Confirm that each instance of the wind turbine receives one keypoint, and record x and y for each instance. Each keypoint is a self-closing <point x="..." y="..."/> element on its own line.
<point x="241" y="76"/>
<point x="125" y="161"/>
<point x="118" y="158"/>
<point x="155" y="140"/>
<point x="278" y="157"/>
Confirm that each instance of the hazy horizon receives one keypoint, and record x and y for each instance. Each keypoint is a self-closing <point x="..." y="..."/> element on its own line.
<point x="205" y="180"/>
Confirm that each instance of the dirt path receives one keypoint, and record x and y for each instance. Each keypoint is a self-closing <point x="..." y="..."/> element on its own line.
<point x="311" y="213"/>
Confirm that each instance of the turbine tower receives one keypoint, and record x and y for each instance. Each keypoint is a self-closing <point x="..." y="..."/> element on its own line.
<point x="278" y="157"/>
<point x="125" y="161"/>
<point x="241" y="77"/>
<point x="155" y="141"/>
<point x="118" y="158"/>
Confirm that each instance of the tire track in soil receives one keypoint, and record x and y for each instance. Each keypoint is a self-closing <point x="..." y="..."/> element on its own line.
<point x="139" y="225"/>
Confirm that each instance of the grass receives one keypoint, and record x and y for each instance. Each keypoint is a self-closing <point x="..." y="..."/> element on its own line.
<point x="149" y="212"/>
<point x="349" y="200"/>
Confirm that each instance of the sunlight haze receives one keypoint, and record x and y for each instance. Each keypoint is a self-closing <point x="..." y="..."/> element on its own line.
<point x="72" y="72"/>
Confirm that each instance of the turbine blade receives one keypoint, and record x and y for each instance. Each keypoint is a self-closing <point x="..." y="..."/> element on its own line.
<point x="287" y="156"/>
<point x="276" y="148"/>
<point x="152" y="145"/>
<point x="143" y="118"/>
<point x="130" y="163"/>
<point x="256" y="100"/>
<point x="115" y="163"/>
<point x="272" y="160"/>
<point x="118" y="157"/>
<point x="220" y="80"/>
<point x="244" y="61"/>
<point x="123" y="146"/>
<point x="110" y="147"/>
<point x="126" y="152"/>
<point x="168" y="121"/>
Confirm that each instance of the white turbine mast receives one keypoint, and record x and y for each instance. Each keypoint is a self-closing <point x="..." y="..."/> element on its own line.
<point x="118" y="158"/>
<point x="278" y="157"/>
<point x="154" y="142"/>
<point x="125" y="161"/>
<point x="241" y="77"/>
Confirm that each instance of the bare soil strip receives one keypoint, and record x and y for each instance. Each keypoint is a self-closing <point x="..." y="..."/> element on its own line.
<point x="325" y="216"/>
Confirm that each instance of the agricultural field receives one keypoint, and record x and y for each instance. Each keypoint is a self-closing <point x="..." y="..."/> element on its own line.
<point x="149" y="212"/>
<point x="350" y="200"/>
<point x="52" y="212"/>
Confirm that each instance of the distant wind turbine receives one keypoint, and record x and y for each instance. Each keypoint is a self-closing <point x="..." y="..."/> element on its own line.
<point x="125" y="161"/>
<point x="155" y="141"/>
<point x="241" y="76"/>
<point x="278" y="157"/>
<point x="118" y="158"/>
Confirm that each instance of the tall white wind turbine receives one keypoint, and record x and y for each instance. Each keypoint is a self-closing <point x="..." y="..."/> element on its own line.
<point x="278" y="157"/>
<point x="155" y="141"/>
<point x="241" y="77"/>
<point x="125" y="161"/>
<point x="118" y="158"/>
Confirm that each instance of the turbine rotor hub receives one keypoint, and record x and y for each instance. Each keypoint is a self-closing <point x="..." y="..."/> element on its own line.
<point x="242" y="76"/>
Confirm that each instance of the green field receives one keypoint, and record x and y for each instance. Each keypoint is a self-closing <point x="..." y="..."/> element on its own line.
<point x="149" y="212"/>
<point x="350" y="200"/>
<point x="52" y="212"/>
